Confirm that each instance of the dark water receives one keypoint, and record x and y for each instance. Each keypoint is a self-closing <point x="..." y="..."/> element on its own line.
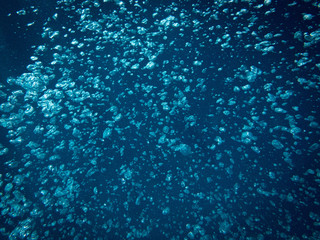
<point x="160" y="120"/>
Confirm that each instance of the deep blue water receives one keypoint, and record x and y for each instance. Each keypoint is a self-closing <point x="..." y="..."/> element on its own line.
<point x="248" y="120"/>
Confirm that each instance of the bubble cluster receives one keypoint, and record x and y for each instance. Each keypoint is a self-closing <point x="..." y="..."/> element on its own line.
<point x="164" y="120"/>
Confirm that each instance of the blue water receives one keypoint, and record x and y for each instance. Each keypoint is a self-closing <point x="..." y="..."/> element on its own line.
<point x="159" y="120"/>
